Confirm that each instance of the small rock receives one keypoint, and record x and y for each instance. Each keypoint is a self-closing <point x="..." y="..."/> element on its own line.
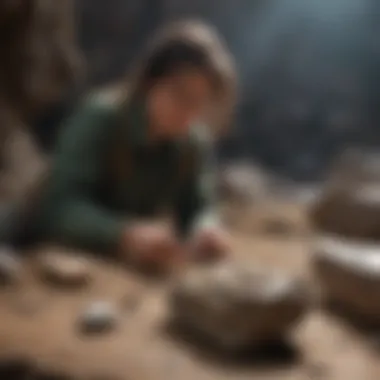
<point x="237" y="306"/>
<point x="10" y="267"/>
<point x="349" y="204"/>
<point x="99" y="317"/>
<point x="348" y="271"/>
<point x="64" y="270"/>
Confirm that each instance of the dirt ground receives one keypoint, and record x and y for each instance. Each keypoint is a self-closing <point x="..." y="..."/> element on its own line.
<point x="39" y="326"/>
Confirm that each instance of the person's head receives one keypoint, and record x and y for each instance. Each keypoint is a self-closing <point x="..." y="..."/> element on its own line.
<point x="186" y="75"/>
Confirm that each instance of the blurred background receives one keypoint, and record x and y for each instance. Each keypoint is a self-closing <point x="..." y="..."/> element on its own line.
<point x="309" y="71"/>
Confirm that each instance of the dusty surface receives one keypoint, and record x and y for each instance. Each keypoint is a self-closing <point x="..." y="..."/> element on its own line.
<point x="39" y="324"/>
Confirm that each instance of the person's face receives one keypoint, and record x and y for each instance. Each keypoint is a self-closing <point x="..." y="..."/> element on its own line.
<point x="176" y="101"/>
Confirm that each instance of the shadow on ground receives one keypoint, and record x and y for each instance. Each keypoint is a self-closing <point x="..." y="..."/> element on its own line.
<point x="274" y="355"/>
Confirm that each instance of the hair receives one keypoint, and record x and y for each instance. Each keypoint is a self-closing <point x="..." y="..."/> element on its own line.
<point x="189" y="44"/>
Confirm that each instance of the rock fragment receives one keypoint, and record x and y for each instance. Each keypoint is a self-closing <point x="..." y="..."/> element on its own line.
<point x="236" y="306"/>
<point x="65" y="270"/>
<point x="98" y="317"/>
<point x="349" y="204"/>
<point x="349" y="274"/>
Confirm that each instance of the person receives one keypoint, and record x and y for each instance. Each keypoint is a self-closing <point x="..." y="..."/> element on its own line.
<point x="121" y="166"/>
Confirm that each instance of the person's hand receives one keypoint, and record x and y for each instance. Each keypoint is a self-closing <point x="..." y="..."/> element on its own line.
<point x="151" y="245"/>
<point x="209" y="243"/>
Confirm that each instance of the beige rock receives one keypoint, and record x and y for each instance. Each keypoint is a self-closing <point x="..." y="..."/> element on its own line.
<point x="350" y="203"/>
<point x="61" y="268"/>
<point x="242" y="184"/>
<point x="235" y="305"/>
<point x="355" y="215"/>
<point x="349" y="274"/>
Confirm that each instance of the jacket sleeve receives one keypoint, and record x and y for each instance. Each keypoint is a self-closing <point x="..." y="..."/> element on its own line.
<point x="197" y="203"/>
<point x="72" y="213"/>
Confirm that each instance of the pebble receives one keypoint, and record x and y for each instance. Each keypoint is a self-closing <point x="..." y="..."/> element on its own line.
<point x="10" y="267"/>
<point x="98" y="317"/>
<point x="64" y="270"/>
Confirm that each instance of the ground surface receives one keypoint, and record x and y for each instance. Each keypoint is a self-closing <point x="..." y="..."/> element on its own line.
<point x="38" y="324"/>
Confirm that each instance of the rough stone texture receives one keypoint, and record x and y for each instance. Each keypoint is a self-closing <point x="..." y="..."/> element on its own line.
<point x="350" y="203"/>
<point x="50" y="339"/>
<point x="242" y="183"/>
<point x="60" y="269"/>
<point x="355" y="215"/>
<point x="349" y="274"/>
<point x="236" y="305"/>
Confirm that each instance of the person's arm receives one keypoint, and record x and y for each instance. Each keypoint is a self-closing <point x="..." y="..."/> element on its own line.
<point x="72" y="213"/>
<point x="197" y="203"/>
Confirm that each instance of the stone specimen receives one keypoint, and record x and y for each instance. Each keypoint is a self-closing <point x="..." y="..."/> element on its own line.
<point x="236" y="305"/>
<point x="64" y="269"/>
<point x="349" y="204"/>
<point x="98" y="317"/>
<point x="349" y="275"/>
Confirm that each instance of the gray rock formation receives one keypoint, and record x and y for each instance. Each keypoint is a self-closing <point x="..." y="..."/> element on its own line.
<point x="350" y="203"/>
<point x="349" y="274"/>
<point x="235" y="305"/>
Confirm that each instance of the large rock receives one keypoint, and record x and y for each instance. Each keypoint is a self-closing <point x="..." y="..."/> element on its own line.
<point x="350" y="203"/>
<point x="349" y="275"/>
<point x="235" y="306"/>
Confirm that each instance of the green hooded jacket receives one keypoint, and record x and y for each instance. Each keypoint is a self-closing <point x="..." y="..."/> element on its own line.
<point x="105" y="173"/>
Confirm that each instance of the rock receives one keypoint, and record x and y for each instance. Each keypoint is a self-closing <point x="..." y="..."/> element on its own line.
<point x="10" y="267"/>
<point x="98" y="317"/>
<point x="349" y="274"/>
<point x="349" y="205"/>
<point x="242" y="184"/>
<point x="235" y="305"/>
<point x="66" y="270"/>
<point x="355" y="215"/>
